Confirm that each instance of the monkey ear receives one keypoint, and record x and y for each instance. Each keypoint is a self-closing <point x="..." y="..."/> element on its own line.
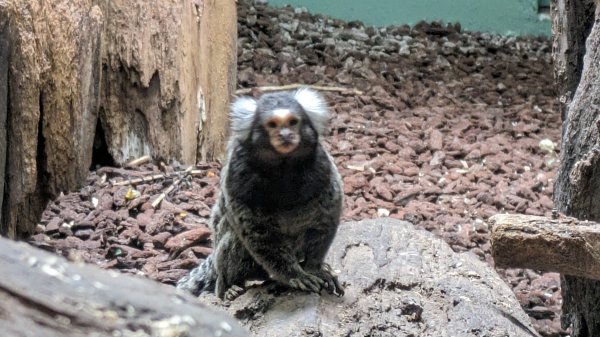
<point x="315" y="107"/>
<point x="241" y="116"/>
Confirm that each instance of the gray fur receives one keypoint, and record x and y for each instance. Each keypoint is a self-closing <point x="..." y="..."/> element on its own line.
<point x="276" y="214"/>
<point x="201" y="278"/>
<point x="241" y="116"/>
<point x="315" y="106"/>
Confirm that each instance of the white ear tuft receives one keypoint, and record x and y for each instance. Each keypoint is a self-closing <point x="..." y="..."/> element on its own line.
<point x="315" y="107"/>
<point x="241" y="116"/>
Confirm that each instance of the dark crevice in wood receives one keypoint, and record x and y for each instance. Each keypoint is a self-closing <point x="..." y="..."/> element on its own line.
<point x="100" y="154"/>
<point x="41" y="150"/>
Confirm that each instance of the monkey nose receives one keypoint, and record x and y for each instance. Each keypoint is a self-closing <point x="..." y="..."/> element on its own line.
<point x="286" y="134"/>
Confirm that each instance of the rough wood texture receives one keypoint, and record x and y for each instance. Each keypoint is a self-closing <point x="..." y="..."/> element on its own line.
<point x="4" y="48"/>
<point x="44" y="295"/>
<point x="399" y="282"/>
<point x="218" y="79"/>
<point x="577" y="188"/>
<point x="140" y="77"/>
<point x="564" y="245"/>
<point x="169" y="70"/>
<point x="53" y="73"/>
<point x="572" y="21"/>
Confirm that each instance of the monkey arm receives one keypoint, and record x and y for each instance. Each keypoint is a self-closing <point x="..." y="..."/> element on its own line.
<point x="268" y="246"/>
<point x="316" y="245"/>
<point x="318" y="239"/>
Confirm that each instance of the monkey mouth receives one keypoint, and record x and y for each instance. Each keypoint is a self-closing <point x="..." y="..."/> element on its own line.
<point x="285" y="146"/>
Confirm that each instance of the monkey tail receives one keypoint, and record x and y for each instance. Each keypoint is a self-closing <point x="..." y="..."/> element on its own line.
<point x="200" y="279"/>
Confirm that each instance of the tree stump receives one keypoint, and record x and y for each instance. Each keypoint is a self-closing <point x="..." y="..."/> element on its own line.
<point x="87" y="82"/>
<point x="577" y="188"/>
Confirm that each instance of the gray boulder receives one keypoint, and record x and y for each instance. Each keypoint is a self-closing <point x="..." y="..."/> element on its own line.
<point x="399" y="282"/>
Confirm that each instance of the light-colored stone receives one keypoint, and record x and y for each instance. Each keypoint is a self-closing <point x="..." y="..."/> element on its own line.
<point x="399" y="282"/>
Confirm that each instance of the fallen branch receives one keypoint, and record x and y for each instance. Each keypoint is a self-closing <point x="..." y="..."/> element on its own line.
<point x="272" y="88"/>
<point x="140" y="161"/>
<point x="565" y="245"/>
<point x="176" y="183"/>
<point x="117" y="171"/>
<point x="151" y="178"/>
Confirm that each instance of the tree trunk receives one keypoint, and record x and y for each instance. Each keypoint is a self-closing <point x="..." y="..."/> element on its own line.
<point x="88" y="82"/>
<point x="4" y="49"/>
<point x="218" y="79"/>
<point x="572" y="21"/>
<point x="169" y="71"/>
<point x="53" y="74"/>
<point x="577" y="188"/>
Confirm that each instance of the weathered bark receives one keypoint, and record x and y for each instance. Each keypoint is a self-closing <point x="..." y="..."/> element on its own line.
<point x="566" y="245"/>
<point x="399" y="282"/>
<point x="218" y="51"/>
<point x="44" y="295"/>
<point x="4" y="49"/>
<point x="167" y="74"/>
<point x="577" y="188"/>
<point x="131" y="78"/>
<point x="53" y="73"/>
<point x="572" y="21"/>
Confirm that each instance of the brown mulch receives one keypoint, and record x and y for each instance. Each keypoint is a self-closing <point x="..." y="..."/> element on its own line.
<point x="445" y="133"/>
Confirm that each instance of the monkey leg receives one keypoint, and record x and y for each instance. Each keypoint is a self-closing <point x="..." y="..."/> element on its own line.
<point x="316" y="244"/>
<point x="270" y="248"/>
<point x="234" y="266"/>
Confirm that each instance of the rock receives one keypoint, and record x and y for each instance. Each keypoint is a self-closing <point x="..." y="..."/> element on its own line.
<point x="187" y="239"/>
<point x="436" y="140"/>
<point x="399" y="282"/>
<point x="44" y="295"/>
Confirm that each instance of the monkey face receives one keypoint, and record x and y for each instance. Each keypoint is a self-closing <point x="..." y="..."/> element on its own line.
<point x="283" y="129"/>
<point x="279" y="126"/>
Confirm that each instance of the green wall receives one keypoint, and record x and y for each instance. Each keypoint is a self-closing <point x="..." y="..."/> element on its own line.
<point x="518" y="17"/>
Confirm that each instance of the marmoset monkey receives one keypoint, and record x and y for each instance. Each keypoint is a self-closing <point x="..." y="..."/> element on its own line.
<point x="280" y="201"/>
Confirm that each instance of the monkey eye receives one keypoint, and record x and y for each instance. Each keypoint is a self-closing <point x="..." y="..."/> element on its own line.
<point x="271" y="125"/>
<point x="293" y="122"/>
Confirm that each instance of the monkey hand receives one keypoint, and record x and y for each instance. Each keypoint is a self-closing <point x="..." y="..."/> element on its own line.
<point x="307" y="282"/>
<point x="330" y="281"/>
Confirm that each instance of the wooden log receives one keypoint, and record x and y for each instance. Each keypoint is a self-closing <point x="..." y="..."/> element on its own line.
<point x="44" y="295"/>
<point x="564" y="245"/>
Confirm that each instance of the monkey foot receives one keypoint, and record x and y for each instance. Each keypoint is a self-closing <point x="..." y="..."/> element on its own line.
<point x="234" y="292"/>
<point x="333" y="286"/>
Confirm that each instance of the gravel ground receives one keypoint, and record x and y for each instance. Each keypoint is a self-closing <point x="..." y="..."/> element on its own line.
<point x="438" y="127"/>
